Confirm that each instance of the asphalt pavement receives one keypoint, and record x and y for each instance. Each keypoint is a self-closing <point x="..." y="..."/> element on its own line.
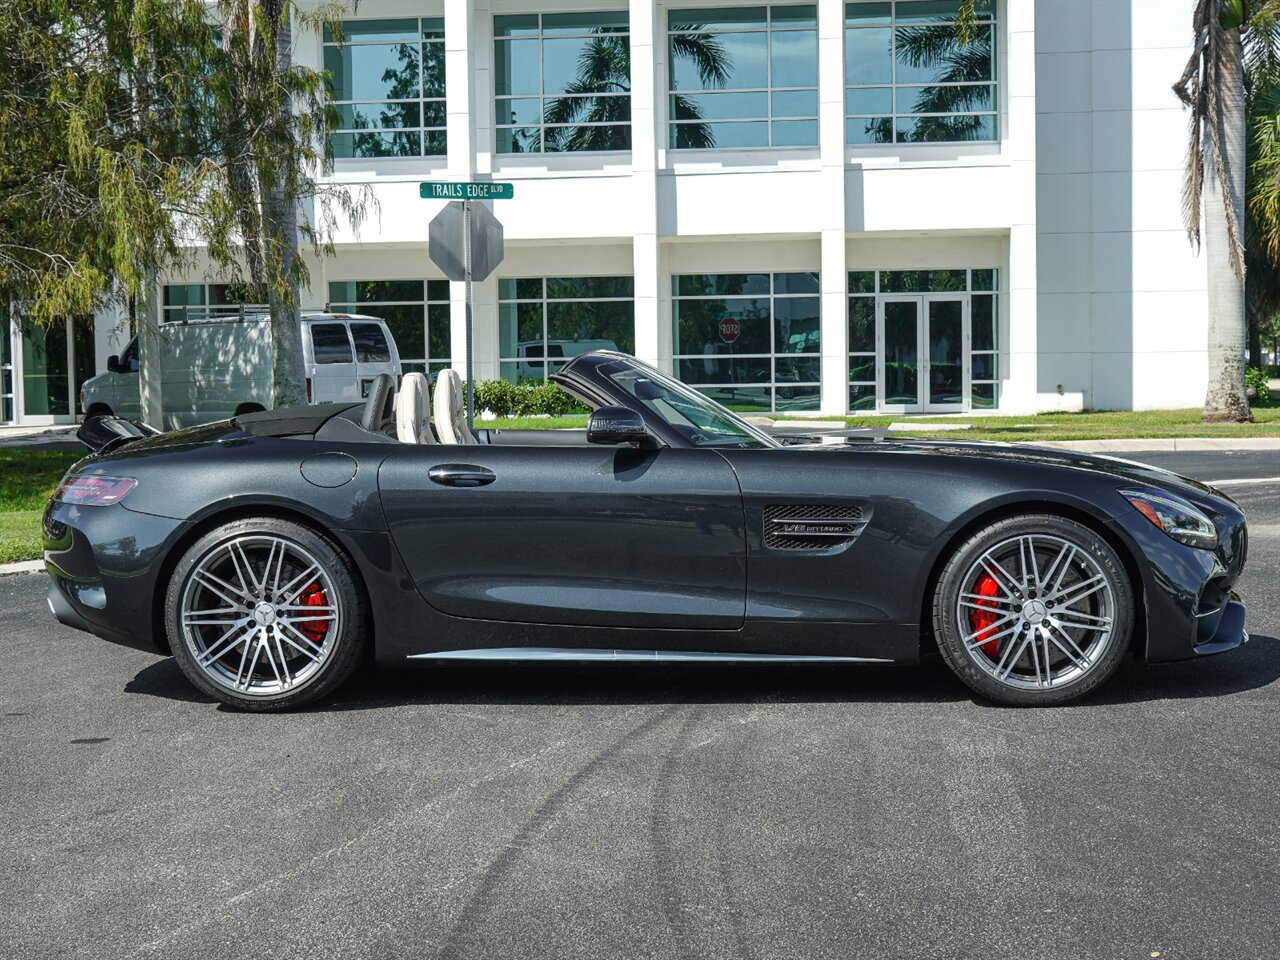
<point x="641" y="810"/>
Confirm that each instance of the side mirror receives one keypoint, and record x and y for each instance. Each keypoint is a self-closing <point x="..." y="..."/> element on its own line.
<point x="616" y="425"/>
<point x="113" y="363"/>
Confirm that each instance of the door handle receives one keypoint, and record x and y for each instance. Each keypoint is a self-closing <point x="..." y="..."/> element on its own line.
<point x="460" y="475"/>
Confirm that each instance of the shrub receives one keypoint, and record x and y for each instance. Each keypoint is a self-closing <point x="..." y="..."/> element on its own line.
<point x="1255" y="378"/>
<point x="526" y="399"/>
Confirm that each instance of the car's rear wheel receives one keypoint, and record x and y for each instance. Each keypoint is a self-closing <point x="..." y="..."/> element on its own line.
<point x="1034" y="610"/>
<point x="264" y="614"/>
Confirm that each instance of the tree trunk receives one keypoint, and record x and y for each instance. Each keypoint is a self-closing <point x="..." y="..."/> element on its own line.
<point x="280" y="226"/>
<point x="1225" y="398"/>
<point x="1255" y="339"/>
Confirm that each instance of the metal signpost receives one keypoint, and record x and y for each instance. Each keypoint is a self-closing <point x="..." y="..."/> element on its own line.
<point x="466" y="243"/>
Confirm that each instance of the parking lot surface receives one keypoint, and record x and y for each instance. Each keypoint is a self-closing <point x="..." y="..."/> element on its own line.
<point x="645" y="810"/>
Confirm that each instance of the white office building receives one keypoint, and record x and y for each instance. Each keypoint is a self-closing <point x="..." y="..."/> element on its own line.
<point x="822" y="207"/>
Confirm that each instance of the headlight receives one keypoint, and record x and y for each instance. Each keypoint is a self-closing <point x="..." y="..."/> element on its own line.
<point x="1175" y="517"/>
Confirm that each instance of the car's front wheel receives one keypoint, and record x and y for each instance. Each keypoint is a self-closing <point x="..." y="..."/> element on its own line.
<point x="264" y="614"/>
<point x="1034" y="610"/>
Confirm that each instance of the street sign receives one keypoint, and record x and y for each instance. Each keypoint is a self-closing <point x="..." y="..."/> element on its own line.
<point x="465" y="241"/>
<point x="485" y="190"/>
<point x="730" y="329"/>
<point x="446" y="241"/>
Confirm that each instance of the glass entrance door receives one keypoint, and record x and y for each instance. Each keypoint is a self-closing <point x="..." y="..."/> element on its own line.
<point x="921" y="355"/>
<point x="944" y="373"/>
<point x="899" y="360"/>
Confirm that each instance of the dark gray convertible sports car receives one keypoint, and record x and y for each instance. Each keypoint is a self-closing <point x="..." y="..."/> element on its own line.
<point x="271" y="552"/>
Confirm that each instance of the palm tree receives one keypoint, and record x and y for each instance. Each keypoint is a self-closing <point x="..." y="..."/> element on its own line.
<point x="1212" y="85"/>
<point x="1262" y="226"/>
<point x="604" y="72"/>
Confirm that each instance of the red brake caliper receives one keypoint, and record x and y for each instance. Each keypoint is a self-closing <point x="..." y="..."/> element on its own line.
<point x="314" y="630"/>
<point x="984" y="620"/>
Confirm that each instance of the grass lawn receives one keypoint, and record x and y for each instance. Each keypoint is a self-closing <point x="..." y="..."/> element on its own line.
<point x="1044" y="426"/>
<point x="574" y="421"/>
<point x="1091" y="426"/>
<point x="27" y="478"/>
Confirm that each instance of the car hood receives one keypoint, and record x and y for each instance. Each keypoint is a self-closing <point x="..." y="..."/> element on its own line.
<point x="1120" y="469"/>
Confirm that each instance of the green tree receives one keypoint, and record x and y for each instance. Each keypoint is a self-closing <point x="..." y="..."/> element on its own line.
<point x="130" y="130"/>
<point x="1262" y="222"/>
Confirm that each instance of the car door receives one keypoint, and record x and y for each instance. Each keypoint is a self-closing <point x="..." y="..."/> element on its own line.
<point x="373" y="353"/>
<point x="333" y="368"/>
<point x="588" y="535"/>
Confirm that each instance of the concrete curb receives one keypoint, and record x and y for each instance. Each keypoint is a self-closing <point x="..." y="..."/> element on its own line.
<point x="1171" y="444"/>
<point x="23" y="566"/>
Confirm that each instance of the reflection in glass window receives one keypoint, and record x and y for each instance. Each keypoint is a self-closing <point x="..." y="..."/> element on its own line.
<point x="562" y="82"/>
<point x="749" y="340"/>
<point x="387" y="87"/>
<point x="743" y="77"/>
<point x="909" y="79"/>
<point x="416" y="312"/>
<point x="544" y="321"/>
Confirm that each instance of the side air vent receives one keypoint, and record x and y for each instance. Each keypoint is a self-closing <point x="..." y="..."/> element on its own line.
<point x="799" y="526"/>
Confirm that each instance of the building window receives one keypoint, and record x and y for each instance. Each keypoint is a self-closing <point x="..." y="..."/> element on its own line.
<point x="752" y="341"/>
<point x="909" y="79"/>
<point x="562" y="82"/>
<point x="743" y="77"/>
<point x="200" y="301"/>
<point x="416" y="312"/>
<point x="985" y="323"/>
<point x="544" y="321"/>
<point x="902" y="297"/>
<point x="387" y="83"/>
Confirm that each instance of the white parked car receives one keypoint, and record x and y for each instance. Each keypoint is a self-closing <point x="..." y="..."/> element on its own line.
<point x="221" y="367"/>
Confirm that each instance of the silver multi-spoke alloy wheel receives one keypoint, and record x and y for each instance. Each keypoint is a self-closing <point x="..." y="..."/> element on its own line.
<point x="259" y="615"/>
<point x="1037" y="611"/>
<point x="1034" y="610"/>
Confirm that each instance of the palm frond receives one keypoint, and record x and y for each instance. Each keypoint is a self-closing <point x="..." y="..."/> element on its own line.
<point x="1202" y="88"/>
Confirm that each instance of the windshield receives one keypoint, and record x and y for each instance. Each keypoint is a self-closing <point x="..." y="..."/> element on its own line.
<point x="699" y="419"/>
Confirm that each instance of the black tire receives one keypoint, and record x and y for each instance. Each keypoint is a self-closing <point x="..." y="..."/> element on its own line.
<point x="1077" y="675"/>
<point x="248" y="408"/>
<point x="344" y="648"/>
<point x="98" y="410"/>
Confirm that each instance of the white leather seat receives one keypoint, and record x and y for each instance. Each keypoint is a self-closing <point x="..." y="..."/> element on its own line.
<point x="450" y="409"/>
<point x="412" y="409"/>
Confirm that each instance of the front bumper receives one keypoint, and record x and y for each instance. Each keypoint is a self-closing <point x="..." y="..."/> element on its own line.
<point x="1189" y="607"/>
<point x="105" y="564"/>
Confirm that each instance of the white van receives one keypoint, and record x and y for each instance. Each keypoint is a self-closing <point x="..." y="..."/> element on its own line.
<point x="555" y="353"/>
<point x="220" y="367"/>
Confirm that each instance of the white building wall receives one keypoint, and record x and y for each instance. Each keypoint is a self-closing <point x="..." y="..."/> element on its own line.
<point x="1122" y="301"/>
<point x="1102" y="303"/>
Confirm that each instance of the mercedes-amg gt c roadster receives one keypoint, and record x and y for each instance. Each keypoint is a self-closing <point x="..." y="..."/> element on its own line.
<point x="268" y="554"/>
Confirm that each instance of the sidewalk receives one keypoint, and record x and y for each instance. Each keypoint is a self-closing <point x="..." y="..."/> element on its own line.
<point x="38" y="436"/>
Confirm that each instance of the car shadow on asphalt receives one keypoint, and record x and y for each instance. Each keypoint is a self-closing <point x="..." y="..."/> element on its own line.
<point x="569" y="683"/>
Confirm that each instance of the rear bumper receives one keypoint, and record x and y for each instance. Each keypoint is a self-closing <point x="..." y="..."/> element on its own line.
<point x="105" y="564"/>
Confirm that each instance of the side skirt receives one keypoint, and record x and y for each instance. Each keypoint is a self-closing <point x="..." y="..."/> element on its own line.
<point x="575" y="653"/>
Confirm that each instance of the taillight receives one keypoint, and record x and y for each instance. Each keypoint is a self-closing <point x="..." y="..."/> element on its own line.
<point x="308" y="389"/>
<point x="94" y="491"/>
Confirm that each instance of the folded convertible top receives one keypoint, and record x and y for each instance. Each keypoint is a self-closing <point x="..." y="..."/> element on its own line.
<point x="291" y="421"/>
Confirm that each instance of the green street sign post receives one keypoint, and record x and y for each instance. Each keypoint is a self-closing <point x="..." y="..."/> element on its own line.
<point x="485" y="190"/>
<point x="466" y="245"/>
